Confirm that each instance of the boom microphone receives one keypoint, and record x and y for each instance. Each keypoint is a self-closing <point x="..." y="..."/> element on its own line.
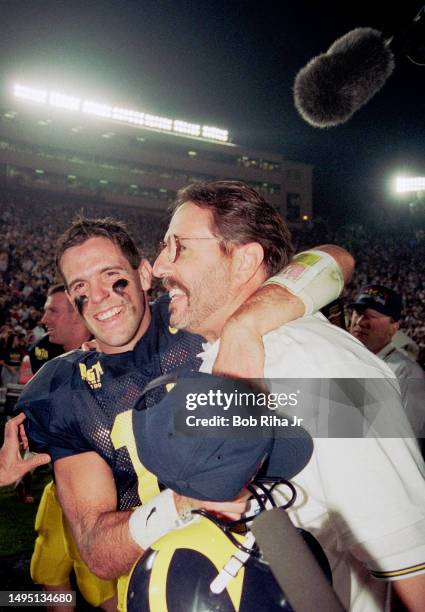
<point x="335" y="84"/>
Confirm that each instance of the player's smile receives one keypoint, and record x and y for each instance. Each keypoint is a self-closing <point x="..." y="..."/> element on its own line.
<point x="109" y="315"/>
<point x="108" y="292"/>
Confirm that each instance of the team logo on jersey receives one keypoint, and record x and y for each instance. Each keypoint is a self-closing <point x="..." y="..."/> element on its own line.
<point x="92" y="375"/>
<point x="172" y="330"/>
<point x="41" y="354"/>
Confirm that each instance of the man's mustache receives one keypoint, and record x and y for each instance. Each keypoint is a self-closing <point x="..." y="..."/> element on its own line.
<point x="170" y="284"/>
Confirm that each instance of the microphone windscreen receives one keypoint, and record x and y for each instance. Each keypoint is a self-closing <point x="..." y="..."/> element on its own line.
<point x="334" y="85"/>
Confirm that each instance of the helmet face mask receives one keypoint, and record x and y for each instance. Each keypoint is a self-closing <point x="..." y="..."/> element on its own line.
<point x="177" y="572"/>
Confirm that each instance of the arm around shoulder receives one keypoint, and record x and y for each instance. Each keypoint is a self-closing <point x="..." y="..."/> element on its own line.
<point x="312" y="280"/>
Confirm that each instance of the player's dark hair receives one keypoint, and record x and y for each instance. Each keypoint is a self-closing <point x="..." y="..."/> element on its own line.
<point x="241" y="215"/>
<point x="56" y="288"/>
<point x="82" y="229"/>
<point x="59" y="288"/>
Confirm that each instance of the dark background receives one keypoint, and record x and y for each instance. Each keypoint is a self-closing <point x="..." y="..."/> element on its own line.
<point x="230" y="63"/>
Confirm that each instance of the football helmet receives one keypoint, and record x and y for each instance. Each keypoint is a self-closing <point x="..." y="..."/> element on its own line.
<point x="212" y="566"/>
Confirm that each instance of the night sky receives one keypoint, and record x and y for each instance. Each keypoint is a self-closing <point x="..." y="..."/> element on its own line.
<point x="231" y="64"/>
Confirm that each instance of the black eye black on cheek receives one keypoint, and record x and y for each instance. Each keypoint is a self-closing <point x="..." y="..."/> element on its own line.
<point x="79" y="302"/>
<point x="120" y="285"/>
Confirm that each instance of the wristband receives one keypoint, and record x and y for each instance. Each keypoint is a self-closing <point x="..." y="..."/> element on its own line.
<point x="156" y="518"/>
<point x="313" y="276"/>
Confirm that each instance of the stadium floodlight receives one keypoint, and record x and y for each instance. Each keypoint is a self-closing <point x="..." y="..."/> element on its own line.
<point x="160" y="123"/>
<point x="60" y="100"/>
<point x="215" y="133"/>
<point x="409" y="183"/>
<point x="29" y="93"/>
<point x="183" y="127"/>
<point x="91" y="107"/>
<point x="130" y="116"/>
<point x="94" y="108"/>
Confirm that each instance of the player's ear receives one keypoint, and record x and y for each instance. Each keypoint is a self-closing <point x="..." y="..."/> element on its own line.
<point x="247" y="260"/>
<point x="145" y="274"/>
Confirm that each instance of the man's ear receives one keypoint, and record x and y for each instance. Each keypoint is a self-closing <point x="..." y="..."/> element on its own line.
<point x="247" y="260"/>
<point x="394" y="327"/>
<point x="145" y="274"/>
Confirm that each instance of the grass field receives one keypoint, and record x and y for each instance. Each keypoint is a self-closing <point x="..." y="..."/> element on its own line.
<point x="17" y="519"/>
<point x="17" y="537"/>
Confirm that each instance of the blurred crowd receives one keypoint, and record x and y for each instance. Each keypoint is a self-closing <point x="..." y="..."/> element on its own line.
<point x="391" y="254"/>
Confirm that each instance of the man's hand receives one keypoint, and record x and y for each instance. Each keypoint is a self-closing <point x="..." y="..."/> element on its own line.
<point x="12" y="466"/>
<point x="232" y="510"/>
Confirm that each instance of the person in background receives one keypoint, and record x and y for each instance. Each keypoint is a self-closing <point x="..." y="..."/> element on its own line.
<point x="66" y="330"/>
<point x="374" y="321"/>
<point x="13" y="351"/>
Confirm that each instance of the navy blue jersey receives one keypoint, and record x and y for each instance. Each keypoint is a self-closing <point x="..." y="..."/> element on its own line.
<point x="41" y="351"/>
<point x="82" y="401"/>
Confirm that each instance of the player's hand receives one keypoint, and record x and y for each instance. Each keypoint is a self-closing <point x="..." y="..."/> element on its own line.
<point x="12" y="466"/>
<point x="241" y="353"/>
<point x="232" y="510"/>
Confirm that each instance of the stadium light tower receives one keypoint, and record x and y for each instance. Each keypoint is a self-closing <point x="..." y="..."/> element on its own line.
<point x="405" y="186"/>
<point x="408" y="184"/>
<point x="147" y="120"/>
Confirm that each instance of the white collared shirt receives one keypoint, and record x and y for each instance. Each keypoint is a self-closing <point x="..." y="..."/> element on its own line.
<point x="362" y="498"/>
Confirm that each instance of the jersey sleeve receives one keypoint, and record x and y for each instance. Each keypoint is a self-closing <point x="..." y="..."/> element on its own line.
<point x="47" y="401"/>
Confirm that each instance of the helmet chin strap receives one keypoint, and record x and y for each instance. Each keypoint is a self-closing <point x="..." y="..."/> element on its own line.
<point x="232" y="567"/>
<point x="261" y="490"/>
